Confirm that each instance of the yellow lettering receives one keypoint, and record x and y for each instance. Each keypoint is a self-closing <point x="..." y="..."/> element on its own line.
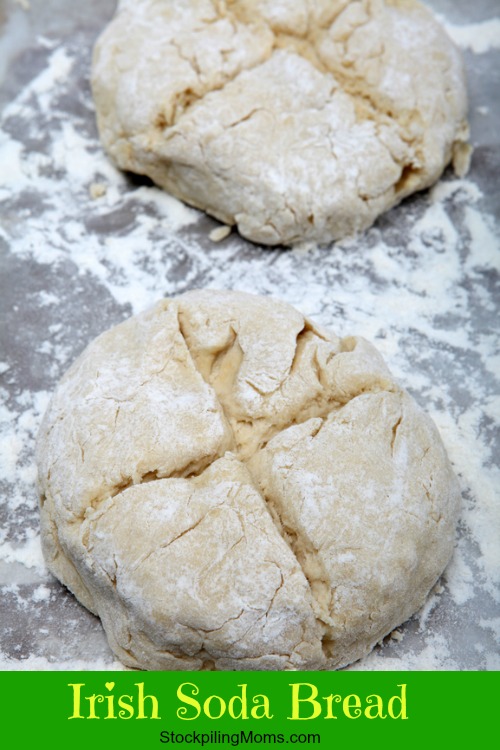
<point x="209" y="701"/>
<point x="297" y="699"/>
<point x="352" y="702"/>
<point x="111" y="707"/>
<point x="242" y="701"/>
<point x="141" y="699"/>
<point x="375" y="707"/>
<point x="182" y="712"/>
<point x="261" y="710"/>
<point x="126" y="709"/>
<point x="76" y="699"/>
<point x="329" y="701"/>
<point x="93" y="699"/>
<point x="401" y="699"/>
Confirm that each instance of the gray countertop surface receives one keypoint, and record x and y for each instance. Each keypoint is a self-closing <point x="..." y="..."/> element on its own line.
<point x="422" y="284"/>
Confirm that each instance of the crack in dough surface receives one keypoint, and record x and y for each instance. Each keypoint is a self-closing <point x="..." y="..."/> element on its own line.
<point x="293" y="121"/>
<point x="229" y="486"/>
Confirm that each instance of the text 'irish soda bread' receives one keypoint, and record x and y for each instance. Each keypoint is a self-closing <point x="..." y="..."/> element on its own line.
<point x="293" y="120"/>
<point x="228" y="486"/>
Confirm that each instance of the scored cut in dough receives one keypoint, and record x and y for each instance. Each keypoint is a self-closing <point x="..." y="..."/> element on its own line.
<point x="229" y="486"/>
<point x="295" y="121"/>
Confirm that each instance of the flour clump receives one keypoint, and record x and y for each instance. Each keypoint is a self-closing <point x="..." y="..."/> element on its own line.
<point x="228" y="486"/>
<point x="294" y="121"/>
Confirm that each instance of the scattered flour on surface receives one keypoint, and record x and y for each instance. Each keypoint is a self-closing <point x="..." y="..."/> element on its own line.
<point x="415" y="288"/>
<point x="42" y="664"/>
<point x="478" y="37"/>
<point x="28" y="554"/>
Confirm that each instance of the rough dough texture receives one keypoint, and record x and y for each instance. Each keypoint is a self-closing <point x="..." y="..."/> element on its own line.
<point x="228" y="486"/>
<point x="298" y="120"/>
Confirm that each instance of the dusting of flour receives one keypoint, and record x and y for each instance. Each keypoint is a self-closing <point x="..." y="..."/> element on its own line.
<point x="85" y="246"/>
<point x="479" y="37"/>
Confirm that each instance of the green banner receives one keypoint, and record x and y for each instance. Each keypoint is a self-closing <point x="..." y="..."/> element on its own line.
<point x="216" y="709"/>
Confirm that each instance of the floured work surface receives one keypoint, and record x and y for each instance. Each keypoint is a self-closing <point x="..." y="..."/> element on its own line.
<point x="82" y="247"/>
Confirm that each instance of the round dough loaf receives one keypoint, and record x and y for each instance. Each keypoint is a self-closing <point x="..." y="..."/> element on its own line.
<point x="229" y="486"/>
<point x="295" y="121"/>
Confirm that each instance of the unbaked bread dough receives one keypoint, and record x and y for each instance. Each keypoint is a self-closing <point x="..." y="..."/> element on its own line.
<point x="229" y="486"/>
<point x="293" y="120"/>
